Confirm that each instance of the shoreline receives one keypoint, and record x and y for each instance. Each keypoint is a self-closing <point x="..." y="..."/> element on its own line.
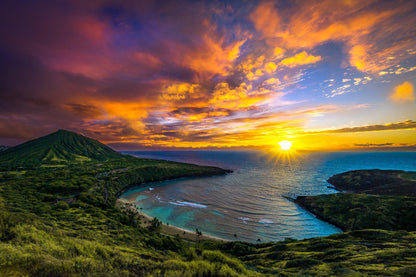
<point x="299" y="202"/>
<point x="166" y="229"/>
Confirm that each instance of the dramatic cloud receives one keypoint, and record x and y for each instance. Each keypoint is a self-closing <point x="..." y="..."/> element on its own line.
<point x="205" y="73"/>
<point x="363" y="26"/>
<point x="403" y="93"/>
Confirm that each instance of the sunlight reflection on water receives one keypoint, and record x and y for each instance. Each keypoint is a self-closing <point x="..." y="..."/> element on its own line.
<point x="249" y="202"/>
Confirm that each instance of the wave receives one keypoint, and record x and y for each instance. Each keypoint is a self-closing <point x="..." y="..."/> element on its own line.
<point x="188" y="204"/>
<point x="266" y="221"/>
<point x="151" y="189"/>
<point x="244" y="219"/>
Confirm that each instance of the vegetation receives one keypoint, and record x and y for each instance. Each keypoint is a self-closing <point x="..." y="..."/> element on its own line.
<point x="386" y="203"/>
<point x="350" y="211"/>
<point x="59" y="148"/>
<point x="379" y="182"/>
<point x="61" y="220"/>
<point x="356" y="253"/>
<point x="64" y="221"/>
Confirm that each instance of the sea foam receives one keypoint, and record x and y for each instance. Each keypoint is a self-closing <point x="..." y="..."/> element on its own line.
<point x="244" y="219"/>
<point x="266" y="221"/>
<point x="188" y="204"/>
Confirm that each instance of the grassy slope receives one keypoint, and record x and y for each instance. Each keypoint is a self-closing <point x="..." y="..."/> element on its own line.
<point x="356" y="253"/>
<point x="82" y="235"/>
<point x="62" y="221"/>
<point x="351" y="211"/>
<point x="86" y="237"/>
<point x="61" y="147"/>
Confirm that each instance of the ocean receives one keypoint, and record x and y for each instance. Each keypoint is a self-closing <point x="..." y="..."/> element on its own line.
<point x="248" y="204"/>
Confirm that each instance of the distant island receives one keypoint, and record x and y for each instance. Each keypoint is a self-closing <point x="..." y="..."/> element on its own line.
<point x="59" y="216"/>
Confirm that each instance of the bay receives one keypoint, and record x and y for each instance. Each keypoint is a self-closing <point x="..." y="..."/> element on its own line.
<point x="248" y="204"/>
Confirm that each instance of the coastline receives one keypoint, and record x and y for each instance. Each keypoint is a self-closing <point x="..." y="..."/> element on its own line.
<point x="299" y="200"/>
<point x="166" y="229"/>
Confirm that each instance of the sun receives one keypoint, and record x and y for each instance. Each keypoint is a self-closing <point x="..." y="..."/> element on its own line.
<point x="285" y="145"/>
<point x="282" y="152"/>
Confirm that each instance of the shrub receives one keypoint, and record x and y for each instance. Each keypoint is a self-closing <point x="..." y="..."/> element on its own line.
<point x="62" y="205"/>
<point x="302" y="263"/>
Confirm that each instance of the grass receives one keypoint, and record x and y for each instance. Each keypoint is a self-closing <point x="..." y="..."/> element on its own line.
<point x="61" y="147"/>
<point x="383" y="199"/>
<point x="80" y="235"/>
<point x="351" y="211"/>
<point x="58" y="218"/>
<point x="57" y="222"/>
<point x="364" y="252"/>
<point x="377" y="182"/>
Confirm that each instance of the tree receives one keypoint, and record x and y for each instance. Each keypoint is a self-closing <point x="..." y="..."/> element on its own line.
<point x="155" y="225"/>
<point x="198" y="233"/>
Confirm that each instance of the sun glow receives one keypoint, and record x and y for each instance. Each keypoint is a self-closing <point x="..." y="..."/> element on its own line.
<point x="285" y="145"/>
<point x="283" y="153"/>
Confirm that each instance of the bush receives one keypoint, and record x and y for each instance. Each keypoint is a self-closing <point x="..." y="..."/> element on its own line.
<point x="155" y="225"/>
<point x="62" y="205"/>
<point x="302" y="263"/>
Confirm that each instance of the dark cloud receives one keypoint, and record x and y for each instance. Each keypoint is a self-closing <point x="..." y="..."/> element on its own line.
<point x="26" y="80"/>
<point x="389" y="146"/>
<point x="86" y="111"/>
<point x="10" y="128"/>
<point x="408" y="124"/>
<point x="373" y="144"/>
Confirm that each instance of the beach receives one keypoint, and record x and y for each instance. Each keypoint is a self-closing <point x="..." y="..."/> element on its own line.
<point x="166" y="229"/>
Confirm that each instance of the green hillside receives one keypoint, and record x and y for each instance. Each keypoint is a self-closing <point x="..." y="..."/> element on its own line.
<point x="352" y="211"/>
<point x="59" y="148"/>
<point x="63" y="221"/>
<point x="382" y="199"/>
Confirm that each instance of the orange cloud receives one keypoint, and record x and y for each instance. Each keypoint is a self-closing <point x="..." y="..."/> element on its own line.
<point x="130" y="111"/>
<point x="278" y="52"/>
<point x="363" y="27"/>
<point x="234" y="98"/>
<point x="272" y="81"/>
<point x="250" y="64"/>
<point x="403" y="93"/>
<point x="358" y="57"/>
<point x="270" y="67"/>
<point x="300" y="59"/>
<point x="212" y="57"/>
<point x="314" y="23"/>
<point x="181" y="91"/>
<point x="266" y="19"/>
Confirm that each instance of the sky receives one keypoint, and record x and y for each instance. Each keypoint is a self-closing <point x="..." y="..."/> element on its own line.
<point x="325" y="75"/>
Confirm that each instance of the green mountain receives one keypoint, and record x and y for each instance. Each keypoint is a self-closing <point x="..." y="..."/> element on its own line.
<point x="66" y="221"/>
<point x="59" y="148"/>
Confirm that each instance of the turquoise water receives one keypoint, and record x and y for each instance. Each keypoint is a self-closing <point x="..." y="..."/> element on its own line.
<point x="249" y="202"/>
